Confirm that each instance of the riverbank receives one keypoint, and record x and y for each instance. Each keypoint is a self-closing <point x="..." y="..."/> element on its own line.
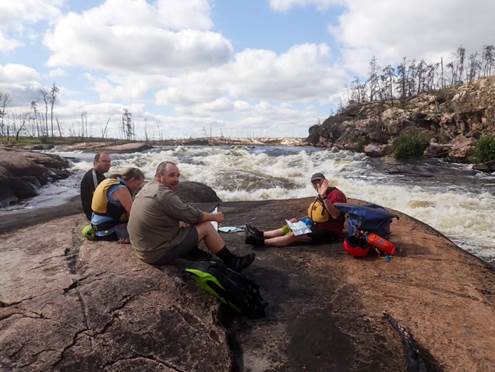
<point x="327" y="310"/>
<point x="450" y="121"/>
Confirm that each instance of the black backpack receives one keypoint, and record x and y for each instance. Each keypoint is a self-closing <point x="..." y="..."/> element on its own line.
<point x="229" y="287"/>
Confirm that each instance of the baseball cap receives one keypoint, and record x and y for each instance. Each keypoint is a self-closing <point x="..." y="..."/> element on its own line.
<point x="317" y="176"/>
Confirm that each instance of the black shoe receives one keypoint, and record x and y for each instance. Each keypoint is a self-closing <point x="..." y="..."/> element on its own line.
<point x="239" y="263"/>
<point x="251" y="230"/>
<point x="255" y="240"/>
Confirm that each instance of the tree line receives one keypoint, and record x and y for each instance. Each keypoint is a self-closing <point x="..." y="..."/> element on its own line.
<point x="412" y="77"/>
<point x="40" y="120"/>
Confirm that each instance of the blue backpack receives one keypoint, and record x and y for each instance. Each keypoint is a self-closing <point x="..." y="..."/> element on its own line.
<point x="369" y="218"/>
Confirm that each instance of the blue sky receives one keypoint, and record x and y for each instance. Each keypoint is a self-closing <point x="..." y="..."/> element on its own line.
<point x="241" y="68"/>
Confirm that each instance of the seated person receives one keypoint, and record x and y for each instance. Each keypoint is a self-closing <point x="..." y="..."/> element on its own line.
<point x="112" y="203"/>
<point x="327" y="221"/>
<point x="91" y="179"/>
<point x="162" y="228"/>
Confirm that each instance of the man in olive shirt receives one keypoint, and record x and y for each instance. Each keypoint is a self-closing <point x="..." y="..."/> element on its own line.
<point x="163" y="228"/>
<point x="91" y="179"/>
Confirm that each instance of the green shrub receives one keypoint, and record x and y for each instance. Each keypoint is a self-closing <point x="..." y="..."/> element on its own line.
<point x="484" y="149"/>
<point x="410" y="145"/>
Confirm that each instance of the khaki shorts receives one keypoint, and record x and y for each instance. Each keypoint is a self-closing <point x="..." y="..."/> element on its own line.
<point x="190" y="242"/>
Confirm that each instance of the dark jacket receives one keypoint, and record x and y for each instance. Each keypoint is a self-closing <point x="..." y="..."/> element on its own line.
<point x="87" y="189"/>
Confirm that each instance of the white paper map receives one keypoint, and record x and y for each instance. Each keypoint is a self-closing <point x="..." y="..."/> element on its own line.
<point x="298" y="228"/>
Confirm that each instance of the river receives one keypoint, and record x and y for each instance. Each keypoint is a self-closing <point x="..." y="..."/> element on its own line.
<point x="450" y="197"/>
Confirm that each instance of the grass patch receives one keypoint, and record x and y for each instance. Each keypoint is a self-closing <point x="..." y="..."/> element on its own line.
<point x="410" y="145"/>
<point x="484" y="149"/>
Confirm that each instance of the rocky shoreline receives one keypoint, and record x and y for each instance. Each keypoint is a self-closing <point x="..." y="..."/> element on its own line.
<point x="22" y="173"/>
<point x="451" y="119"/>
<point x="67" y="303"/>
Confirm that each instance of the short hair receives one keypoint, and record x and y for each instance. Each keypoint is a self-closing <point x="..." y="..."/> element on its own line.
<point x="131" y="173"/>
<point x="99" y="154"/>
<point x="162" y="166"/>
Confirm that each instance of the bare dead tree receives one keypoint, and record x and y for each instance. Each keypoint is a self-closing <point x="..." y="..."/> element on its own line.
<point x="461" y="55"/>
<point x="24" y="117"/>
<point x="45" y="96"/>
<point x="34" y="106"/>
<point x="127" y="127"/>
<point x="4" y="102"/>
<point x="104" y="131"/>
<point x="52" y="98"/>
<point x="59" y="128"/>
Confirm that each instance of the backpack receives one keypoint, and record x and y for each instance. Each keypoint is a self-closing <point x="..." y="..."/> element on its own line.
<point x="318" y="212"/>
<point x="369" y="218"/>
<point x="229" y="287"/>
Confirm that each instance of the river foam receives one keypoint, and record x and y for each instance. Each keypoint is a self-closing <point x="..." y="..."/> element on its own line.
<point x="460" y="209"/>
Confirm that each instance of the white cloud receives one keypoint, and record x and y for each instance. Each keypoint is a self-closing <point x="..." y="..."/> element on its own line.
<point x="183" y="14"/>
<point x="123" y="87"/>
<point x="28" y="10"/>
<point x="137" y="37"/>
<point x="20" y="82"/>
<point x="7" y="44"/>
<point x="284" y="5"/>
<point x="392" y="29"/>
<point x="302" y="74"/>
<point x="15" y="14"/>
<point x="58" y="72"/>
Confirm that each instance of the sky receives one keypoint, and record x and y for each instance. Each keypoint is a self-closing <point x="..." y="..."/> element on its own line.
<point x="237" y="68"/>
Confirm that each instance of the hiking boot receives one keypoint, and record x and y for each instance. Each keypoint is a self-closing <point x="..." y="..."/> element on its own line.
<point x="238" y="263"/>
<point x="251" y="230"/>
<point x="255" y="240"/>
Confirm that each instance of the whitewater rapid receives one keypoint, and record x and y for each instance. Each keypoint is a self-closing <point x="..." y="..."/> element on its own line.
<point x="459" y="204"/>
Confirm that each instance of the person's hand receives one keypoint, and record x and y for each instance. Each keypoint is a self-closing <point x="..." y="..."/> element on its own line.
<point x="293" y="220"/>
<point x="218" y="217"/>
<point x="183" y="224"/>
<point x="322" y="187"/>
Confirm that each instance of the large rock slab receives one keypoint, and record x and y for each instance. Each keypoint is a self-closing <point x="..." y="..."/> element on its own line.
<point x="327" y="309"/>
<point x="68" y="304"/>
<point x="23" y="172"/>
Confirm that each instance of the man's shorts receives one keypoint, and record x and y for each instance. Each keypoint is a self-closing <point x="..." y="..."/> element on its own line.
<point x="188" y="243"/>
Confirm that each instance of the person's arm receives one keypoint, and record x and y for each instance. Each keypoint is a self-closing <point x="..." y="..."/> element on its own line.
<point x="87" y="195"/>
<point x="218" y="217"/>
<point x="322" y="193"/>
<point x="124" y="197"/>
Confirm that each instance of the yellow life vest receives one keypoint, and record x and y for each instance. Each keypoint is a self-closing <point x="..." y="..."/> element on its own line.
<point x="318" y="212"/>
<point x="100" y="203"/>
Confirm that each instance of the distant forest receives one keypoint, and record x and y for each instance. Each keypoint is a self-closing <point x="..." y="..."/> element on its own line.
<point x="412" y="77"/>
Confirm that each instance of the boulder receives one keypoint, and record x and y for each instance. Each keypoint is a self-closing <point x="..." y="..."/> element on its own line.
<point x="462" y="148"/>
<point x="487" y="167"/>
<point x="69" y="304"/>
<point x="23" y="172"/>
<point x="437" y="150"/>
<point x="196" y="192"/>
<point x="378" y="151"/>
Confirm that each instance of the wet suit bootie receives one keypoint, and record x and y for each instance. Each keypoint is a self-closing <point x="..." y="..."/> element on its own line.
<point x="236" y="263"/>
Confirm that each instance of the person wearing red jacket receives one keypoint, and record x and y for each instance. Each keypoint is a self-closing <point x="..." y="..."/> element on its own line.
<point x="326" y="229"/>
